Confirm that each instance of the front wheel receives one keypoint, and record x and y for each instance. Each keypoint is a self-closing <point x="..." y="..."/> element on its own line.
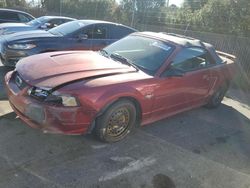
<point x="217" y="97"/>
<point x="116" y="122"/>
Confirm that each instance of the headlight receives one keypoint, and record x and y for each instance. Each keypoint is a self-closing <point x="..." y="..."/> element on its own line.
<point x="44" y="94"/>
<point x="21" y="46"/>
<point x="7" y="32"/>
<point x="65" y="100"/>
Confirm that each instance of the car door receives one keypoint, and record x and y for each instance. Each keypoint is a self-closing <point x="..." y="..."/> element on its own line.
<point x="196" y="62"/>
<point x="100" y="36"/>
<point x="185" y="83"/>
<point x="92" y="37"/>
<point x="82" y="39"/>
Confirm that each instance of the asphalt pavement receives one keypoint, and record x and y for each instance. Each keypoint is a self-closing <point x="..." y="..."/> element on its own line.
<point x="200" y="148"/>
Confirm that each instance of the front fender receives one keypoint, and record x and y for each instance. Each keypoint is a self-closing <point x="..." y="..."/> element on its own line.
<point x="112" y="95"/>
<point x="140" y="95"/>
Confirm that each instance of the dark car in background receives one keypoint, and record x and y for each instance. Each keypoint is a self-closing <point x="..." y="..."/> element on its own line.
<point x="16" y="16"/>
<point x="41" y="23"/>
<point x="75" y="35"/>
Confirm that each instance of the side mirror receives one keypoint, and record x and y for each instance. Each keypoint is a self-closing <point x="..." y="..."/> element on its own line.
<point x="82" y="37"/>
<point x="46" y="26"/>
<point x="173" y="72"/>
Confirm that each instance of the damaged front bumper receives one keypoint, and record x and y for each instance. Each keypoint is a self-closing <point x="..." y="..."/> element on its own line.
<point x="48" y="118"/>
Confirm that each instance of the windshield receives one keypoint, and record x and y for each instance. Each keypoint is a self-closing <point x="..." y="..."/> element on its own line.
<point x="67" y="28"/>
<point x="37" y="21"/>
<point x="146" y="53"/>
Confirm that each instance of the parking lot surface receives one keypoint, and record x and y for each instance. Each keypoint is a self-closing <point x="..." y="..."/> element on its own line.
<point x="200" y="148"/>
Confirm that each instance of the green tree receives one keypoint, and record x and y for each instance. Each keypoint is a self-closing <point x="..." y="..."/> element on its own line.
<point x="225" y="16"/>
<point x="51" y="5"/>
<point x="16" y="3"/>
<point x="143" y="11"/>
<point x="194" y="4"/>
<point x="89" y="9"/>
<point x="240" y="17"/>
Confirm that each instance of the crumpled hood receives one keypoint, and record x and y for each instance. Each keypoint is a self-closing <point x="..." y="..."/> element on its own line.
<point x="53" y="69"/>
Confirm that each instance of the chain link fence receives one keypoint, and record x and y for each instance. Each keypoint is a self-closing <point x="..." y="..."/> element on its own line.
<point x="238" y="46"/>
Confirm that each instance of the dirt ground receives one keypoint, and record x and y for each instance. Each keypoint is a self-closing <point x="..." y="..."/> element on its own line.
<point x="200" y="148"/>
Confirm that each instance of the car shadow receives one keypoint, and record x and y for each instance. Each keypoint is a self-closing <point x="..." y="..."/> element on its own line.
<point x="3" y="71"/>
<point x="10" y="116"/>
<point x="221" y="134"/>
<point x="211" y="133"/>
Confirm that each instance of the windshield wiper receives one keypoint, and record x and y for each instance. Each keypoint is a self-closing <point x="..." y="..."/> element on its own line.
<point x="104" y="53"/>
<point x="123" y="60"/>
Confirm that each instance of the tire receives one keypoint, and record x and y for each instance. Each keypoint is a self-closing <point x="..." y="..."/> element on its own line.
<point x="217" y="97"/>
<point x="116" y="122"/>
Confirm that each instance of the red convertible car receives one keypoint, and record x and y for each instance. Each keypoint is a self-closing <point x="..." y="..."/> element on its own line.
<point x="137" y="80"/>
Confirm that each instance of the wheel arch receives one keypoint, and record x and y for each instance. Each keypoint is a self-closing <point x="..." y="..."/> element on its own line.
<point x="107" y="105"/>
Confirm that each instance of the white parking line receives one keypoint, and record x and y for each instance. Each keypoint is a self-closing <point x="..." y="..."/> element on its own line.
<point x="134" y="165"/>
<point x="244" y="109"/>
<point x="5" y="108"/>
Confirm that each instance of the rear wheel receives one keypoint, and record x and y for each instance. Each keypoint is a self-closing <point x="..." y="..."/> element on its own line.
<point x="116" y="122"/>
<point x="217" y="97"/>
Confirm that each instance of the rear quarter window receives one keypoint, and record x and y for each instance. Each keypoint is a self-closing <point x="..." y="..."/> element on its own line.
<point x="118" y="32"/>
<point x="192" y="58"/>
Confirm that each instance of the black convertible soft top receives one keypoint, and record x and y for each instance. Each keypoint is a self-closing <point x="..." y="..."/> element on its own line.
<point x="178" y="39"/>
